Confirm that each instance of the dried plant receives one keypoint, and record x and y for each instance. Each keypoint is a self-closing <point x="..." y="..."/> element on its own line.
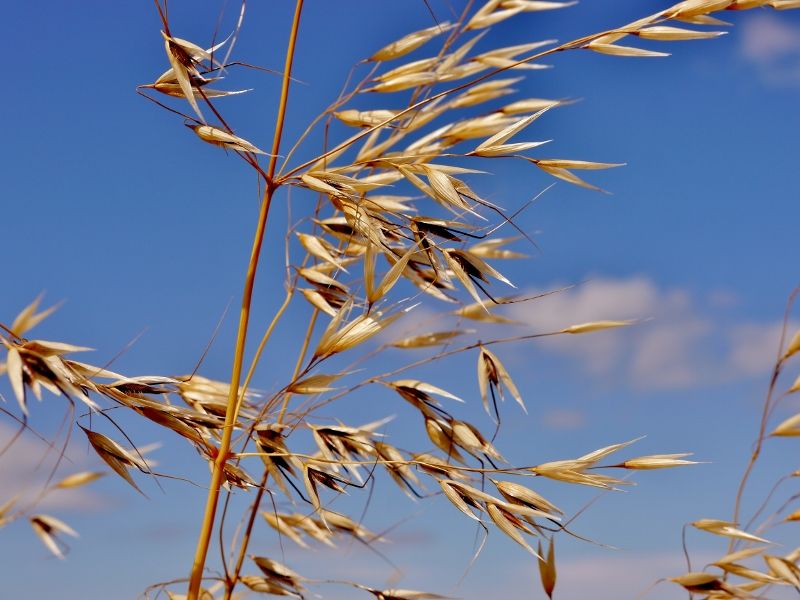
<point x="750" y="567"/>
<point x="396" y="209"/>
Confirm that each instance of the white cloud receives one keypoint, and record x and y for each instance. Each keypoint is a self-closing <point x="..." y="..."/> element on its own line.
<point x="610" y="575"/>
<point x="602" y="574"/>
<point x="666" y="354"/>
<point x="680" y="342"/>
<point x="28" y="463"/>
<point x="564" y="418"/>
<point x="722" y="299"/>
<point x="772" y="44"/>
<point x="681" y="339"/>
<point x="623" y="575"/>
<point x="754" y="348"/>
<point x="595" y="300"/>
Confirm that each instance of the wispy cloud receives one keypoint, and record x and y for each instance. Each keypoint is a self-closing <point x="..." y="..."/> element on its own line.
<point x="601" y="575"/>
<point x="608" y="576"/>
<point x="28" y="463"/>
<point x="681" y="342"/>
<point x="754" y="347"/>
<point x="772" y="44"/>
<point x="564" y="418"/>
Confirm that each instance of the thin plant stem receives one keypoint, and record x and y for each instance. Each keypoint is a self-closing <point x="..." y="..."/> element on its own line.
<point x="762" y="429"/>
<point x="243" y="392"/>
<point x="262" y="344"/>
<point x="232" y="406"/>
<point x="306" y="341"/>
<point x="287" y="71"/>
<point x="231" y="582"/>
<point x="422" y="361"/>
<point x="221" y="459"/>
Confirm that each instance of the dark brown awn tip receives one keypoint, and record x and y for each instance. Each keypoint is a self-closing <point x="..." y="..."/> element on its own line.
<point x="396" y="194"/>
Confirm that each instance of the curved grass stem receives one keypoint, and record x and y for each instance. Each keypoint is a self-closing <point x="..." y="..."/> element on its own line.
<point x="767" y="409"/>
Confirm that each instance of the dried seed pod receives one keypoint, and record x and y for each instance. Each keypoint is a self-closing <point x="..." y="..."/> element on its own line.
<point x="595" y="326"/>
<point x="435" y="466"/>
<point x="223" y="139"/>
<point x="511" y="526"/>
<point x="116" y="457"/>
<point x="554" y="167"/>
<point x="47" y="528"/>
<point x="314" y="384"/>
<point x="369" y="118"/>
<point x="461" y="501"/>
<point x="337" y="339"/>
<point x="441" y="434"/>
<point x="793" y="347"/>
<point x="78" y="479"/>
<point x="312" y="478"/>
<point x="666" y="33"/>
<point x="536" y="5"/>
<point x="30" y="316"/>
<point x="483" y="19"/>
<point x="425" y="340"/>
<point x="657" y="461"/>
<point x="516" y="493"/>
<point x="492" y="375"/>
<point x="397" y="466"/>
<point x="615" y="50"/>
<point x="784" y="569"/>
<point x="739" y="555"/>
<point x="409" y="43"/>
<point x="547" y="568"/>
<point x="264" y="585"/>
<point x="699" y="582"/>
<point x="726" y="529"/>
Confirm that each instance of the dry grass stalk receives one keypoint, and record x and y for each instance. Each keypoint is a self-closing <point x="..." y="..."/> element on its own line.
<point x="745" y="547"/>
<point x="437" y="242"/>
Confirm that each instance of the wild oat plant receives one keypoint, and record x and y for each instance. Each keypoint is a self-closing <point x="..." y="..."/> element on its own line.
<point x="398" y="222"/>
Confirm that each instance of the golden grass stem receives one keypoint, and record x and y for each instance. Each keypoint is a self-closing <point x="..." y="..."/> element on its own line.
<point x="233" y="403"/>
<point x="221" y="459"/>
<point x="231" y="582"/>
<point x="287" y="70"/>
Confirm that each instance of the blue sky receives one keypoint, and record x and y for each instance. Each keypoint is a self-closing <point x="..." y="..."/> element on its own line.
<point x="111" y="205"/>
